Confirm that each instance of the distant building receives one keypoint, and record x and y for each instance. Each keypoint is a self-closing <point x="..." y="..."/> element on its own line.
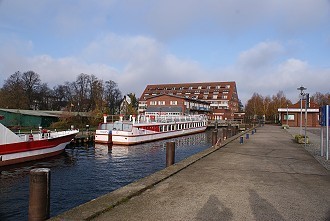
<point x="165" y="104"/>
<point x="291" y="115"/>
<point x="221" y="96"/>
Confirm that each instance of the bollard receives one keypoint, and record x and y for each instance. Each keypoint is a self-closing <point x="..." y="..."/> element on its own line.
<point x="170" y="153"/>
<point x="39" y="200"/>
<point x="214" y="137"/>
<point x="241" y="140"/>
<point x="247" y="136"/>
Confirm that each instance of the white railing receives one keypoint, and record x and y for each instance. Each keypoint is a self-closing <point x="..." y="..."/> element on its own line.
<point x="48" y="135"/>
<point x="169" y="118"/>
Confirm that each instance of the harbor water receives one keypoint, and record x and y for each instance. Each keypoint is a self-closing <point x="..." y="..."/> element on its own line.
<point x="83" y="173"/>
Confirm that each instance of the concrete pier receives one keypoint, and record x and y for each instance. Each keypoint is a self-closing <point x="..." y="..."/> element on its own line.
<point x="268" y="177"/>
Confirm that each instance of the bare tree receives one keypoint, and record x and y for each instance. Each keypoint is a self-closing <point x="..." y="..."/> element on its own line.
<point x="13" y="94"/>
<point x="254" y="107"/>
<point x="31" y="83"/>
<point x="278" y="101"/>
<point x="112" y="96"/>
<point x="321" y="99"/>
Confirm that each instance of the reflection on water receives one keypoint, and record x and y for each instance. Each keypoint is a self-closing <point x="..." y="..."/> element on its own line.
<point x="86" y="172"/>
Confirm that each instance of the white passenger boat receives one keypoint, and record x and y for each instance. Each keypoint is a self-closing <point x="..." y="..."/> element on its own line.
<point x="144" y="128"/>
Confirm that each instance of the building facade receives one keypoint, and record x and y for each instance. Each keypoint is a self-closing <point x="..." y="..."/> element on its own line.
<point x="294" y="115"/>
<point x="221" y="96"/>
<point x="165" y="104"/>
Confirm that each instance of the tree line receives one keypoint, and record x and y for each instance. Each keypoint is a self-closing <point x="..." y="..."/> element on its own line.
<point x="266" y="107"/>
<point x="86" y="94"/>
<point x="90" y="94"/>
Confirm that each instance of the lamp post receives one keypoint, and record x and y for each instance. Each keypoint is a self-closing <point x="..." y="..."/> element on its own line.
<point x="302" y="94"/>
<point x="287" y="115"/>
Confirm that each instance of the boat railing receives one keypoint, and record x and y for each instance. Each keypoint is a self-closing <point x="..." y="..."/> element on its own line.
<point x="47" y="135"/>
<point x="169" y="119"/>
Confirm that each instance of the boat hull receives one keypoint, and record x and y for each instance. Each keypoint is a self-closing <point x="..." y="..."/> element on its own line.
<point x="130" y="139"/>
<point x="20" y="152"/>
<point x="147" y="129"/>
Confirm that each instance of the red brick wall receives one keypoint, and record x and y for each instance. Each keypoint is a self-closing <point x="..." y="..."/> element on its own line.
<point x="167" y="100"/>
<point x="312" y="120"/>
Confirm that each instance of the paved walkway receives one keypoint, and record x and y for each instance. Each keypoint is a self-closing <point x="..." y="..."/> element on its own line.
<point x="268" y="177"/>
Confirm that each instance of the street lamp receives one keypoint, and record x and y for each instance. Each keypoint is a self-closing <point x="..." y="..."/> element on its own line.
<point x="287" y="115"/>
<point x="302" y="94"/>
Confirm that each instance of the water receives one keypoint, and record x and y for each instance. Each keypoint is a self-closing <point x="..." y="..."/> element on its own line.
<point x="87" y="172"/>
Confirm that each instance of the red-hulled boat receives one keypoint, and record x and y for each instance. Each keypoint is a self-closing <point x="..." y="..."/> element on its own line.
<point x="26" y="147"/>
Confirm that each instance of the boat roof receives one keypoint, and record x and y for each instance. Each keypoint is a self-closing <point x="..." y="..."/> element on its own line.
<point x="43" y="113"/>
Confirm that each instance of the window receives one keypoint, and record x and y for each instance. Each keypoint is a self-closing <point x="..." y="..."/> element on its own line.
<point x="161" y="102"/>
<point x="208" y="87"/>
<point x="204" y="96"/>
<point x="224" y="96"/>
<point x="190" y="88"/>
<point x="153" y="102"/>
<point x="218" y="87"/>
<point x="291" y="117"/>
<point x="199" y="87"/>
<point x="216" y="92"/>
<point x="227" y="86"/>
<point x="215" y="96"/>
<point x="173" y="102"/>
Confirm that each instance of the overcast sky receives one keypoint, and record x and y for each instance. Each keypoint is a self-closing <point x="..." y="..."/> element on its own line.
<point x="263" y="45"/>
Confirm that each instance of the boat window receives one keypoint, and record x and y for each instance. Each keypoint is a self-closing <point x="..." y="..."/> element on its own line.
<point x="106" y="126"/>
<point x="122" y="126"/>
<point x="127" y="127"/>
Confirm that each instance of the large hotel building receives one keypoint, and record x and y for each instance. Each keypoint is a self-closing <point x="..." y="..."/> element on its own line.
<point x="217" y="99"/>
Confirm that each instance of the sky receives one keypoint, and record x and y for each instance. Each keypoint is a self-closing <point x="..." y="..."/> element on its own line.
<point x="265" y="46"/>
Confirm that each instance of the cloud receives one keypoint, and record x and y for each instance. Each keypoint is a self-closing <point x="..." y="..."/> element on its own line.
<point x="131" y="42"/>
<point x="140" y="60"/>
<point x="285" y="76"/>
<point x="135" y="61"/>
<point x="131" y="61"/>
<point x="261" y="55"/>
<point x="170" y="19"/>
